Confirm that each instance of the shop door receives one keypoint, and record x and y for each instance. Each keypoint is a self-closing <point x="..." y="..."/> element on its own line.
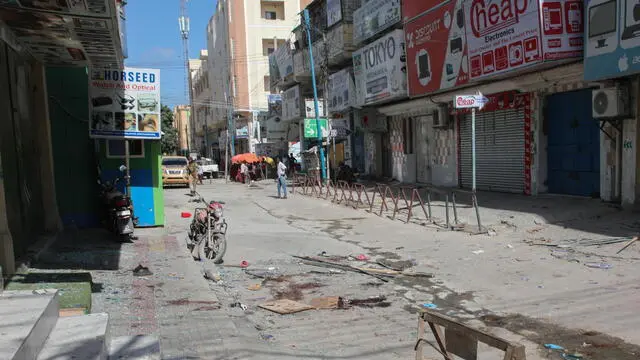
<point x="424" y="132"/>
<point x="499" y="151"/>
<point x="573" y="152"/>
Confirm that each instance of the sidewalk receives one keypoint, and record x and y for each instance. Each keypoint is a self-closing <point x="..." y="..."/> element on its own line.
<point x="502" y="273"/>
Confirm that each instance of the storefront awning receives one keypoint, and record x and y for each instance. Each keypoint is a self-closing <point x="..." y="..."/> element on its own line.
<point x="66" y="33"/>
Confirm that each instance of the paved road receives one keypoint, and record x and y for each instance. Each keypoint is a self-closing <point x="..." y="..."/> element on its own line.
<point x="194" y="317"/>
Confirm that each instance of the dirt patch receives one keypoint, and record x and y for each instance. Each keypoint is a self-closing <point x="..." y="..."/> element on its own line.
<point x="398" y="265"/>
<point x="592" y="345"/>
<point x="293" y="291"/>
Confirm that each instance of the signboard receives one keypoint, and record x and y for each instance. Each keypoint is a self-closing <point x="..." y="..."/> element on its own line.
<point x="378" y="70"/>
<point x="340" y="128"/>
<point x="310" y="109"/>
<point x="341" y="91"/>
<point x="334" y="12"/>
<point x="291" y="104"/>
<point x="437" y="50"/>
<point x="477" y="101"/>
<point x="242" y="133"/>
<point x="612" y="47"/>
<point x="311" y="128"/>
<point x="562" y="28"/>
<point x="124" y="103"/>
<point x="275" y="105"/>
<point x="412" y="9"/>
<point x="284" y="61"/>
<point x="502" y="35"/>
<point x="374" y="17"/>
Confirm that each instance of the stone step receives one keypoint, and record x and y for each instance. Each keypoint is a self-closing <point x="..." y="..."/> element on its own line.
<point x="137" y="347"/>
<point x="78" y="337"/>
<point x="26" y="320"/>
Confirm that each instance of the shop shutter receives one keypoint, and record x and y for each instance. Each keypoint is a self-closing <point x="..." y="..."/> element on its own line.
<point x="499" y="151"/>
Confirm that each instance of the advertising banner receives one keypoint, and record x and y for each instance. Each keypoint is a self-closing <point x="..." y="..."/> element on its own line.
<point x="341" y="91"/>
<point x="124" y="103"/>
<point x="412" y="9"/>
<point x="502" y="35"/>
<point x="311" y="128"/>
<point x="334" y="12"/>
<point x="310" y="109"/>
<point x="562" y="28"/>
<point x="612" y="36"/>
<point x="378" y="69"/>
<point x="275" y="106"/>
<point x="243" y="132"/>
<point x="374" y="17"/>
<point x="291" y="104"/>
<point x="437" y="49"/>
<point x="284" y="59"/>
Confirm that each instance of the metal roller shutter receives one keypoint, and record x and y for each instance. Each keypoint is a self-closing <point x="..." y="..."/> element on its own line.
<point x="499" y="151"/>
<point x="424" y="133"/>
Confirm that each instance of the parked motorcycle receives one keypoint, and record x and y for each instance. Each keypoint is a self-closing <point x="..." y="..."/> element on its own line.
<point x="118" y="215"/>
<point x="207" y="238"/>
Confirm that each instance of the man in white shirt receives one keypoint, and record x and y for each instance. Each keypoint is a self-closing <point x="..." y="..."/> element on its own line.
<point x="282" y="179"/>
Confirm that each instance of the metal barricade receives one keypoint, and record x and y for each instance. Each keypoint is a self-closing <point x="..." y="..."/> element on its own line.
<point x="415" y="197"/>
<point x="360" y="189"/>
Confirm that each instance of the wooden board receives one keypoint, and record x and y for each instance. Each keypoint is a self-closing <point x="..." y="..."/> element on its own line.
<point x="285" y="306"/>
<point x="329" y="302"/>
<point x="72" y="312"/>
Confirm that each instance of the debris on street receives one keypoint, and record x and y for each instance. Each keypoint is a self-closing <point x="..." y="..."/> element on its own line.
<point x="324" y="263"/>
<point x="285" y="306"/>
<point x="377" y="301"/>
<point x="142" y="271"/>
<point x="239" y="305"/>
<point x="327" y="302"/>
<point x="578" y="242"/>
<point x="604" y="266"/>
<point x="254" y="287"/>
<point x="635" y="238"/>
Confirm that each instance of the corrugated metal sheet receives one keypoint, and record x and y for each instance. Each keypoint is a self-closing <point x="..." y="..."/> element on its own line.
<point x="500" y="151"/>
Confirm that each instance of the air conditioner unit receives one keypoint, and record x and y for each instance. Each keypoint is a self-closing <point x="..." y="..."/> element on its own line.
<point x="610" y="103"/>
<point x="441" y="117"/>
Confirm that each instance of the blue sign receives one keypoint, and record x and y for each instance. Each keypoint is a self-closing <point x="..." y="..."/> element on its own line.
<point x="612" y="39"/>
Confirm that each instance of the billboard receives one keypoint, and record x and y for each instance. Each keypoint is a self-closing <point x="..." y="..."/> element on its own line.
<point x="334" y="12"/>
<point x="612" y="37"/>
<point x="562" y="28"/>
<point x="437" y="49"/>
<point x="374" y="17"/>
<point x="124" y="103"/>
<point x="284" y="61"/>
<point x="379" y="70"/>
<point x="411" y="9"/>
<point x="291" y="104"/>
<point x="341" y="91"/>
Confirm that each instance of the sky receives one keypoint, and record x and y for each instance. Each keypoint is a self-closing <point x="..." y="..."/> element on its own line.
<point x="154" y="41"/>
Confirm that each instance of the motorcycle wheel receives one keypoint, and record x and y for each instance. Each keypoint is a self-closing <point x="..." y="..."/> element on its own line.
<point x="214" y="249"/>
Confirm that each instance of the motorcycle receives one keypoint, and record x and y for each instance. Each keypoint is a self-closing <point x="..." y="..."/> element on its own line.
<point x="117" y="208"/>
<point x="207" y="238"/>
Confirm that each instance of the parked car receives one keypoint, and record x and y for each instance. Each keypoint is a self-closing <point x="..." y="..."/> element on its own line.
<point x="209" y="168"/>
<point x="174" y="171"/>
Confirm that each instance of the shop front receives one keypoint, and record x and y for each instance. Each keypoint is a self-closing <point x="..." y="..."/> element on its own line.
<point x="379" y="70"/>
<point x="341" y="95"/>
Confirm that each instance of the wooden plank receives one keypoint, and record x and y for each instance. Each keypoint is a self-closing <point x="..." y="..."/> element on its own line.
<point x="72" y="312"/>
<point x="435" y="329"/>
<point x="420" y="343"/>
<point x="328" y="302"/>
<point x="461" y="345"/>
<point x="285" y="306"/>
<point x="478" y="335"/>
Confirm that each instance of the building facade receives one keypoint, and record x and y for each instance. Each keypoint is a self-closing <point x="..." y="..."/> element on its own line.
<point x="201" y="101"/>
<point x="240" y="36"/>
<point x="181" y="116"/>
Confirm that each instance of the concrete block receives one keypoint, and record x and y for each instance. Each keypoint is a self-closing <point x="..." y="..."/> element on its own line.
<point x="26" y="319"/>
<point x="78" y="337"/>
<point x="137" y="347"/>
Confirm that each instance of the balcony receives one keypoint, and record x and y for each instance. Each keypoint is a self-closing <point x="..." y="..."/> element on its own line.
<point x="57" y="34"/>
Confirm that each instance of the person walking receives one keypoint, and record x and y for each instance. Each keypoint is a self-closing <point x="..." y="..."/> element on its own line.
<point x="192" y="169"/>
<point x="282" y="179"/>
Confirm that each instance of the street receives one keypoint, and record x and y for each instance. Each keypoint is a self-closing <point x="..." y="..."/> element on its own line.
<point x="517" y="291"/>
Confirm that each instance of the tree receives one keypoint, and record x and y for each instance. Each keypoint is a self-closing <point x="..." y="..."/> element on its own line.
<point x="170" y="136"/>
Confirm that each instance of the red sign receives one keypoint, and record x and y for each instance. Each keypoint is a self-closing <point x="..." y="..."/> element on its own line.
<point x="413" y="8"/>
<point x="436" y="49"/>
<point x="562" y="28"/>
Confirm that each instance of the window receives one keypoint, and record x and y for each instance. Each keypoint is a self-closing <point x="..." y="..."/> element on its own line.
<point x="115" y="149"/>
<point x="272" y="10"/>
<point x="270" y="15"/>
<point x="267" y="83"/>
<point x="268" y="50"/>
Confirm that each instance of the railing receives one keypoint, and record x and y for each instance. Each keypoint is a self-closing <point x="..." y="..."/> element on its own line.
<point x="395" y="200"/>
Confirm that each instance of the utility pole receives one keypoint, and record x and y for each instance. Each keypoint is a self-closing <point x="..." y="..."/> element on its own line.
<point x="323" y="170"/>
<point x="183" y="22"/>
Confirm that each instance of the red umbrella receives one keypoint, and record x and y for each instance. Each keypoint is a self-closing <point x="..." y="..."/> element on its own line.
<point x="247" y="157"/>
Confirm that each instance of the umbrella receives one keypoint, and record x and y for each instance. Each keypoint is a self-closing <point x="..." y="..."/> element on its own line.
<point x="247" y="157"/>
